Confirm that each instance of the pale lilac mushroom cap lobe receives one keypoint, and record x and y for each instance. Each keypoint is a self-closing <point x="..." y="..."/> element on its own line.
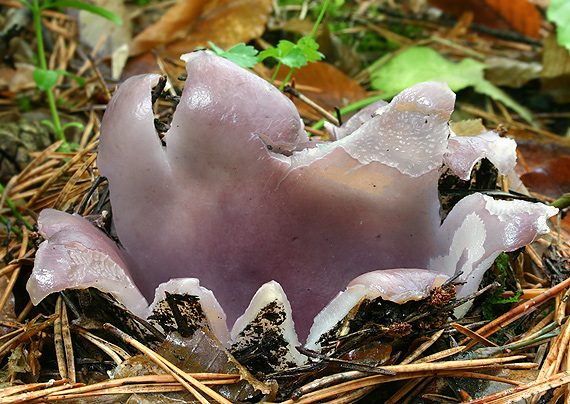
<point x="409" y="134"/>
<point x="214" y="313"/>
<point x="399" y="285"/>
<point x="270" y="311"/>
<point x="395" y="285"/>
<point x="218" y="206"/>
<point x="78" y="255"/>
<point x="479" y="228"/>
<point x="463" y="152"/>
<point x="355" y="121"/>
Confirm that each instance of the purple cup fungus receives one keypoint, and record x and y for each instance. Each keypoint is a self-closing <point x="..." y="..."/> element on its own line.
<point x="237" y="200"/>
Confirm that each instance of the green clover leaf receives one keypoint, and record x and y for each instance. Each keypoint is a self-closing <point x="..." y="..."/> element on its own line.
<point x="294" y="58"/>
<point x="241" y="54"/>
<point x="309" y="48"/>
<point x="269" y="53"/>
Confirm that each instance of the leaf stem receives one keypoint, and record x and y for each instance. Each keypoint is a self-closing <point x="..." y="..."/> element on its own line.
<point x="355" y="107"/>
<point x="56" y="122"/>
<point x="14" y="209"/>
<point x="562" y="202"/>
<point x="287" y="79"/>
<point x="39" y="39"/>
<point x="14" y="229"/>
<point x="319" y="19"/>
<point x="275" y="73"/>
<point x="36" y="12"/>
<point x="313" y="32"/>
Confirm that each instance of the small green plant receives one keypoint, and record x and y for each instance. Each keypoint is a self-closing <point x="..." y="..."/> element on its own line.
<point x="495" y="299"/>
<point x="46" y="79"/>
<point x="241" y="54"/>
<point x="294" y="55"/>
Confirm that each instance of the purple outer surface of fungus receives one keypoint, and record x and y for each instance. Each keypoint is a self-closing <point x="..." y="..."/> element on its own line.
<point x="234" y="203"/>
<point x="218" y="205"/>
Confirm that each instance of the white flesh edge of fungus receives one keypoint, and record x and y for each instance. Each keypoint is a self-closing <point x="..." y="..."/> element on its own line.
<point x="268" y="293"/>
<point x="212" y="310"/>
<point x="478" y="229"/>
<point x="355" y="121"/>
<point x="395" y="285"/>
<point x="463" y="152"/>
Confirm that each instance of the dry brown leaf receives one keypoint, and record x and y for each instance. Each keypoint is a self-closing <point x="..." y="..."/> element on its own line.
<point x="193" y="23"/>
<point x="555" y="75"/>
<point x="16" y="80"/>
<point x="336" y="52"/>
<point x="175" y="24"/>
<point x="332" y="87"/>
<point x="519" y="15"/>
<point x="225" y="23"/>
<point x="93" y="27"/>
<point x="503" y="71"/>
<point x="549" y="168"/>
<point x="142" y="64"/>
<point x="296" y="25"/>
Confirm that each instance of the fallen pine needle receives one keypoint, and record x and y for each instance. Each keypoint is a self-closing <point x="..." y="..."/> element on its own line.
<point x="9" y="391"/>
<point x="189" y="382"/>
<point x="473" y="335"/>
<point x="33" y="395"/>
<point x="524" y="391"/>
<point x="422" y="348"/>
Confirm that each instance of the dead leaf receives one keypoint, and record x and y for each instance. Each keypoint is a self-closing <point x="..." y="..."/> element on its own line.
<point x="193" y="23"/>
<point x="336" y="52"/>
<point x="329" y="87"/>
<point x="555" y="76"/>
<point x="296" y="25"/>
<point x="174" y="25"/>
<point x="17" y="363"/>
<point x="225" y="23"/>
<point x="468" y="127"/>
<point x="549" y="168"/>
<point x="142" y="64"/>
<point x="93" y="27"/>
<point x="18" y="80"/>
<point x="503" y="71"/>
<point x="519" y="15"/>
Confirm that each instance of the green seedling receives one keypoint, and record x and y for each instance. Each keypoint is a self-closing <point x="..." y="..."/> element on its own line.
<point x="294" y="55"/>
<point x="15" y="212"/>
<point x="241" y="54"/>
<point x="45" y="78"/>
